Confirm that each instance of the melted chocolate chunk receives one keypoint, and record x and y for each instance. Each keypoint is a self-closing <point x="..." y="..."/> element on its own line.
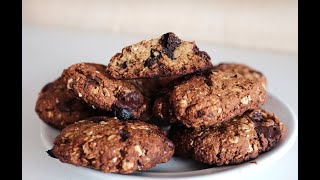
<point x="154" y="57"/>
<point x="169" y="43"/>
<point x="201" y="53"/>
<point x="271" y="133"/>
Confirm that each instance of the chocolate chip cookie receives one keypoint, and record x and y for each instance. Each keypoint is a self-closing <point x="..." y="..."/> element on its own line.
<point x="204" y="100"/>
<point x="243" y="70"/>
<point x="164" y="56"/>
<point x="59" y="108"/>
<point x="89" y="81"/>
<point x="112" y="145"/>
<point x="230" y="142"/>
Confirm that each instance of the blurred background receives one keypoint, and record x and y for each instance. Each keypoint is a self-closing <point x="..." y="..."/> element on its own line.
<point x="267" y="25"/>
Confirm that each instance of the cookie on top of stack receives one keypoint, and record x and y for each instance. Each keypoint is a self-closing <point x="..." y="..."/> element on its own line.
<point x="105" y="112"/>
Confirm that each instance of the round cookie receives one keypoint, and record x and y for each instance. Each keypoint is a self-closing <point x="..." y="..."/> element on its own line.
<point x="244" y="70"/>
<point x="166" y="56"/>
<point x="90" y="82"/>
<point x="59" y="108"/>
<point x="204" y="100"/>
<point x="230" y="142"/>
<point x="112" y="145"/>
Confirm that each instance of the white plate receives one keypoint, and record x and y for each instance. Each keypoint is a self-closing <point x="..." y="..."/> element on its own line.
<point x="183" y="168"/>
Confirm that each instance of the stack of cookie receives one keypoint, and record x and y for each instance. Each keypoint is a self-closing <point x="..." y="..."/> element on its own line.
<point x="110" y="115"/>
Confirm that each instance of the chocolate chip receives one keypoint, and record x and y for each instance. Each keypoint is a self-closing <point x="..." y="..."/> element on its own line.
<point x="139" y="163"/>
<point x="200" y="53"/>
<point x="124" y="65"/>
<point x="169" y="43"/>
<point x="51" y="154"/>
<point x="154" y="57"/>
<point x="271" y="133"/>
<point x="124" y="134"/>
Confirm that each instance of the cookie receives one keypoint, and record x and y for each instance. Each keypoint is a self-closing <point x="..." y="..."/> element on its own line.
<point x="59" y="108"/>
<point x="112" y="145"/>
<point x="165" y="56"/>
<point x="89" y="81"/>
<point x="204" y="100"/>
<point x="230" y="142"/>
<point x="161" y="107"/>
<point x="243" y="70"/>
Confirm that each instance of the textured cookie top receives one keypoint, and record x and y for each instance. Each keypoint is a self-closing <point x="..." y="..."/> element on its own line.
<point x="243" y="70"/>
<point x="230" y="142"/>
<point x="90" y="82"/>
<point x="58" y="107"/>
<point x="164" y="56"/>
<point x="214" y="97"/>
<point x="112" y="145"/>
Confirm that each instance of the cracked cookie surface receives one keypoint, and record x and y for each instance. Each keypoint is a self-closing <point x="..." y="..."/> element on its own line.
<point x="230" y="142"/>
<point x="112" y="145"/>
<point x="89" y="81"/>
<point x="59" y="108"/>
<point x="160" y="57"/>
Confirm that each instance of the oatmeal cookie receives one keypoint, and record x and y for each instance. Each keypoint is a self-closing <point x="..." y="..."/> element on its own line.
<point x="204" y="100"/>
<point x="112" y="145"/>
<point x="59" y="108"/>
<point x="230" y="142"/>
<point x="89" y="81"/>
<point x="165" y="56"/>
